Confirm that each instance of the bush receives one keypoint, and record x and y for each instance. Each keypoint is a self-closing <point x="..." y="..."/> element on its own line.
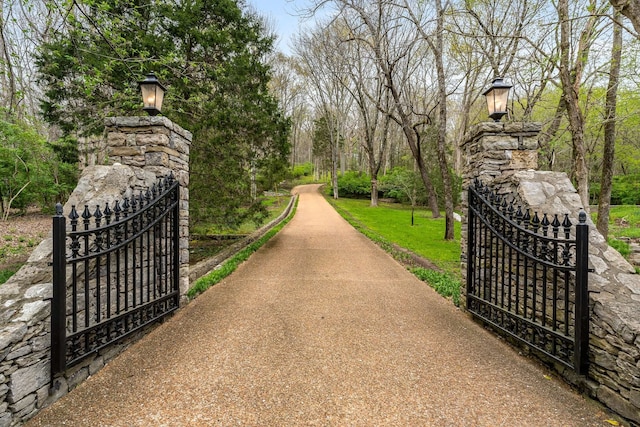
<point x="403" y="184"/>
<point x="32" y="171"/>
<point x="625" y="190"/>
<point x="299" y="171"/>
<point x="354" y="184"/>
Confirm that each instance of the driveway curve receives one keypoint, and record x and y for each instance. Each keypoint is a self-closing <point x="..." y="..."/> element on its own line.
<point x="320" y="327"/>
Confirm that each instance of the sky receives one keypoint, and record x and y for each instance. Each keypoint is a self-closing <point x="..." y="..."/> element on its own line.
<point x="282" y="14"/>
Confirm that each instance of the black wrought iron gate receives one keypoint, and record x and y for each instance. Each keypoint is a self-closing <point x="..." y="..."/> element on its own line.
<point x="123" y="271"/>
<point x="527" y="276"/>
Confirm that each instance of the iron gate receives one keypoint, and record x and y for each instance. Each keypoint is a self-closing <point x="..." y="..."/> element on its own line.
<point x="527" y="276"/>
<point x="123" y="267"/>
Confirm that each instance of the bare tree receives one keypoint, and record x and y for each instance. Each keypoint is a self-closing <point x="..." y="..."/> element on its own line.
<point x="630" y="9"/>
<point x="571" y="75"/>
<point x="8" y="75"/>
<point x="322" y="65"/>
<point x="379" y="26"/>
<point x="24" y="26"/>
<point x="368" y="92"/>
<point x="608" y="155"/>
<point x="436" y="45"/>
<point x="288" y="87"/>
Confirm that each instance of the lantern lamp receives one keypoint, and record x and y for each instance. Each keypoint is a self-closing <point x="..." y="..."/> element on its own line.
<point x="152" y="94"/>
<point x="497" y="97"/>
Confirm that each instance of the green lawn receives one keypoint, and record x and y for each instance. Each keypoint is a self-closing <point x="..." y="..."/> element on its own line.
<point x="392" y="221"/>
<point x="624" y="221"/>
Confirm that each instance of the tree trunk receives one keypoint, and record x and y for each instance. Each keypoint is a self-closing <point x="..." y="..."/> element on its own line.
<point x="431" y="192"/>
<point x="544" y="141"/>
<point x="8" y="65"/>
<point x="374" y="191"/>
<point x="630" y="9"/>
<point x="442" y="125"/>
<point x="254" y="186"/>
<point x="571" y="79"/>
<point x="334" y="166"/>
<point x="604" y="199"/>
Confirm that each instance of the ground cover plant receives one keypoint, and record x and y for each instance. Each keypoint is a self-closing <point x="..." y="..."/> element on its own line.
<point x="389" y="225"/>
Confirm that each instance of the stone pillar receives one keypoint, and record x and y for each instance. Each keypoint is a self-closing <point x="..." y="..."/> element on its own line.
<point x="157" y="145"/>
<point x="493" y="152"/>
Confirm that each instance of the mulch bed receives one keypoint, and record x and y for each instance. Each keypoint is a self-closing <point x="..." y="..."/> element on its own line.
<point x="20" y="235"/>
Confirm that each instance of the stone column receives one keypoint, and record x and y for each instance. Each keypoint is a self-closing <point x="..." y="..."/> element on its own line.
<point x="157" y="145"/>
<point x="493" y="152"/>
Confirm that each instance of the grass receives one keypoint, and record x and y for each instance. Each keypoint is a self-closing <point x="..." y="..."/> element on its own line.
<point x="275" y="206"/>
<point x="444" y="284"/>
<point x="232" y="263"/>
<point x="620" y="246"/>
<point x="6" y="273"/>
<point x="390" y="224"/>
<point x="624" y="221"/>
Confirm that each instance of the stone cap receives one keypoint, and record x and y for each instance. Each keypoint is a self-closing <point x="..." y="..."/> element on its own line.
<point x="501" y="128"/>
<point x="142" y="121"/>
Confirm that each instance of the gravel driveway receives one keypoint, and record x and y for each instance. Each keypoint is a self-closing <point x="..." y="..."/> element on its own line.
<point x="321" y="328"/>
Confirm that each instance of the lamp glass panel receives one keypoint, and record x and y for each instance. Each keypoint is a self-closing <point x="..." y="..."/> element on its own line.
<point x="500" y="96"/>
<point x="149" y="95"/>
<point x="491" y="101"/>
<point x="159" y="95"/>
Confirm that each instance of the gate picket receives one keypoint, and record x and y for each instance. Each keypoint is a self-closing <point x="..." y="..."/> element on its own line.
<point x="543" y="278"/>
<point x="124" y="273"/>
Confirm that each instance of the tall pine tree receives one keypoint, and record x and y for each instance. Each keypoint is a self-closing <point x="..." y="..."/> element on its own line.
<point x="209" y="53"/>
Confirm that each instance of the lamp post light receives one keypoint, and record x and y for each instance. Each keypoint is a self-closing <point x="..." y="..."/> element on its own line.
<point x="497" y="97"/>
<point x="152" y="94"/>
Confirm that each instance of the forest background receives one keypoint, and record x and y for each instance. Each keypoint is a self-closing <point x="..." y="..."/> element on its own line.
<point x="377" y="93"/>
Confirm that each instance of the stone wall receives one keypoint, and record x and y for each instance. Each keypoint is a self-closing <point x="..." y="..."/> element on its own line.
<point x="139" y="150"/>
<point x="505" y="156"/>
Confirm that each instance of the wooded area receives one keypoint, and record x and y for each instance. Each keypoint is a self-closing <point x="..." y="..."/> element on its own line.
<point x="400" y="82"/>
<point x="386" y="89"/>
<point x="69" y="64"/>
